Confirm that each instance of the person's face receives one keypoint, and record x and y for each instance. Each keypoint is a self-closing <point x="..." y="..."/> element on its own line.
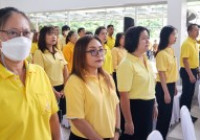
<point x="121" y="41"/>
<point x="74" y="38"/>
<point x="51" y="38"/>
<point x="194" y="33"/>
<point x="57" y="31"/>
<point x="15" y="26"/>
<point x="65" y="32"/>
<point x="173" y="37"/>
<point x="143" y="42"/>
<point x="111" y="30"/>
<point x="82" y="33"/>
<point x="102" y="36"/>
<point x="94" y="55"/>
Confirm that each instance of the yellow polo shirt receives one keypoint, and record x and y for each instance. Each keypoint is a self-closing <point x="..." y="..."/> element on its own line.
<point x="53" y="65"/>
<point x="92" y="101"/>
<point x="34" y="47"/>
<point x="190" y="50"/>
<point x="61" y="43"/>
<point x="133" y="77"/>
<point x="117" y="55"/>
<point x="26" y="110"/>
<point x="166" y="62"/>
<point x="110" y="42"/>
<point x="68" y="52"/>
<point x="108" y="66"/>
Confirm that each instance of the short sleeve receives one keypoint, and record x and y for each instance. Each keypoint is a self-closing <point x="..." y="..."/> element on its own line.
<point x="63" y="58"/>
<point x="38" y="58"/>
<point x="161" y="61"/>
<point x="185" y="51"/>
<point x="125" y="76"/>
<point x="75" y="97"/>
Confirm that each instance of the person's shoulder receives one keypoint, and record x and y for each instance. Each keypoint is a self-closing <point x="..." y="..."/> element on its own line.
<point x="75" y="79"/>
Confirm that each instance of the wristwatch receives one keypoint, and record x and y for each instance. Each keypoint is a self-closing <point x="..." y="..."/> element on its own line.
<point x="118" y="130"/>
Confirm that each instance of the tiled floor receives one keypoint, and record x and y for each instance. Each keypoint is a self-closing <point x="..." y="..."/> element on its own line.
<point x="175" y="132"/>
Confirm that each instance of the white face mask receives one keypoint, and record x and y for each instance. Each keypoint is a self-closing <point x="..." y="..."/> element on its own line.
<point x="16" y="49"/>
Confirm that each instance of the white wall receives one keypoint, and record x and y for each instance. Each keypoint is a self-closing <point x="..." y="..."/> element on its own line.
<point x="57" y="5"/>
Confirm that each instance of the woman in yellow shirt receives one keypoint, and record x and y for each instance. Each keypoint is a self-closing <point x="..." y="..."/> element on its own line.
<point x="52" y="61"/>
<point x="101" y="33"/>
<point x="166" y="79"/>
<point x="68" y="50"/>
<point x="118" y="54"/>
<point x="136" y="84"/>
<point x="28" y="105"/>
<point x="92" y="103"/>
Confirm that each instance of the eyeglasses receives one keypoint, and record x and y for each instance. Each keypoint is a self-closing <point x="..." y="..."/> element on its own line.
<point x="12" y="33"/>
<point x="97" y="52"/>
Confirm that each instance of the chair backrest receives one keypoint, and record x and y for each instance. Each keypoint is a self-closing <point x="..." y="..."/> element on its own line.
<point x="155" y="135"/>
<point x="187" y="125"/>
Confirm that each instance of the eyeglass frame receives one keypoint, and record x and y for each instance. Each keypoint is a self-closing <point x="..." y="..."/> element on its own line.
<point x="18" y="33"/>
<point x="97" y="52"/>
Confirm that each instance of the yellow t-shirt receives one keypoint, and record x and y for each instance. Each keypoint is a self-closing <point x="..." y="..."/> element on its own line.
<point x="133" y="77"/>
<point x="53" y="65"/>
<point x="166" y="62"/>
<point x="190" y="50"/>
<point x="110" y="42"/>
<point x="117" y="55"/>
<point x="68" y="52"/>
<point x="108" y="66"/>
<point x="61" y="43"/>
<point x="92" y="101"/>
<point x="26" y="110"/>
<point x="34" y="47"/>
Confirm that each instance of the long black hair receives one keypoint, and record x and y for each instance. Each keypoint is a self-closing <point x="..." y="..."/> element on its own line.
<point x="42" y="38"/>
<point x="164" y="37"/>
<point x="118" y="37"/>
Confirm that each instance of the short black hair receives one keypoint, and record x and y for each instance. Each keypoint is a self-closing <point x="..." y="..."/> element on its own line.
<point x="110" y="25"/>
<point x="89" y="33"/>
<point x="118" y="37"/>
<point x="65" y="28"/>
<point x="80" y="29"/>
<point x="190" y="26"/>
<point x="98" y="30"/>
<point x="69" y="36"/>
<point x="132" y="37"/>
<point x="7" y="12"/>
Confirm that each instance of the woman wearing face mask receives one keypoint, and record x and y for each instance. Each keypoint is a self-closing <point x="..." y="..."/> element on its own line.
<point x="93" y="106"/>
<point x="68" y="50"/>
<point x="54" y="64"/>
<point x="166" y="80"/>
<point x="101" y="33"/>
<point x="28" y="105"/>
<point x="136" y="84"/>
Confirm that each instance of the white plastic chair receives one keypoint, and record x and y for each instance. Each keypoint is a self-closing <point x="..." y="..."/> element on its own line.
<point x="187" y="125"/>
<point x="155" y="135"/>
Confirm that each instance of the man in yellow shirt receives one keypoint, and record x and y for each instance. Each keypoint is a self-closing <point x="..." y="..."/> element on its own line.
<point x="62" y="39"/>
<point x="189" y="61"/>
<point x="110" y="39"/>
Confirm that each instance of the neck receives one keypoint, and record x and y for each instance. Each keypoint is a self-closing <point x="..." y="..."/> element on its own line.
<point x="138" y="54"/>
<point x="110" y="35"/>
<point x="92" y="71"/>
<point x="194" y="38"/>
<point x="121" y="47"/>
<point x="15" y="67"/>
<point x="50" y="48"/>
